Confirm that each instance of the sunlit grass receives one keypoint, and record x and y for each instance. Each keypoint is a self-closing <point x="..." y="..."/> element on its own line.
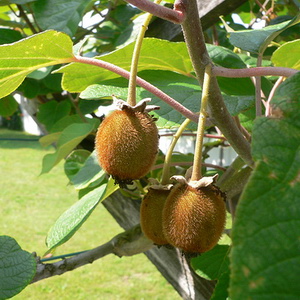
<point x="30" y="204"/>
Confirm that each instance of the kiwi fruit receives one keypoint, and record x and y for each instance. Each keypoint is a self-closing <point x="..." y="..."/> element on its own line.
<point x="151" y="215"/>
<point x="127" y="144"/>
<point x="194" y="218"/>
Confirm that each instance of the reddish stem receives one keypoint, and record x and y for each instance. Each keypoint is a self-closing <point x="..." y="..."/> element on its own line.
<point x="141" y="82"/>
<point x="258" y="71"/>
<point x="175" y="15"/>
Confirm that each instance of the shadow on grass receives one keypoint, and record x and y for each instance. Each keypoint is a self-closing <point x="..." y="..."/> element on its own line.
<point x="10" y="139"/>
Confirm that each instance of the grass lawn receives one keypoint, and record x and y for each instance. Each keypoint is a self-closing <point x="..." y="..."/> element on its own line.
<point x="30" y="204"/>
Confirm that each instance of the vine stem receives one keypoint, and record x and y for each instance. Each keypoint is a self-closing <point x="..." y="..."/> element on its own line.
<point x="271" y="95"/>
<point x="131" y="99"/>
<point x="257" y="71"/>
<point x="219" y="113"/>
<point x="127" y="243"/>
<point x="166" y="168"/>
<point x="141" y="82"/>
<point x="74" y="102"/>
<point x="26" y="19"/>
<point x="197" y="165"/>
<point x="175" y="15"/>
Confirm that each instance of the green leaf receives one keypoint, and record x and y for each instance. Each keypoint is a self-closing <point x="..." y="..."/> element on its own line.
<point x="40" y="73"/>
<point x="90" y="106"/>
<point x="89" y="173"/>
<point x="247" y="117"/>
<point x="19" y="59"/>
<point x="72" y="219"/>
<point x="172" y="57"/>
<point x="237" y="104"/>
<point x="228" y="59"/>
<point x="59" y="14"/>
<point x="221" y="288"/>
<point x="75" y="161"/>
<point x="64" y="122"/>
<point x="17" y="267"/>
<point x="113" y="34"/>
<point x="69" y="138"/>
<point x="292" y="60"/>
<point x="8" y="36"/>
<point x="49" y="139"/>
<point x="212" y="264"/>
<point x="8" y="105"/>
<point x="265" y="256"/>
<point x="52" y="111"/>
<point x="256" y="41"/>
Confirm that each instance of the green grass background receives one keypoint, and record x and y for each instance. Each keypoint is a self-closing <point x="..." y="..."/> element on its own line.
<point x="30" y="204"/>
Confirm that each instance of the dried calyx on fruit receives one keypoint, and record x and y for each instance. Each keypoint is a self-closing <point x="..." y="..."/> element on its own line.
<point x="151" y="211"/>
<point x="194" y="215"/>
<point x="127" y="141"/>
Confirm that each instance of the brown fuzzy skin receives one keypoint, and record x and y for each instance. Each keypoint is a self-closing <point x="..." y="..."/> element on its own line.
<point x="194" y="219"/>
<point x="151" y="215"/>
<point x="127" y="144"/>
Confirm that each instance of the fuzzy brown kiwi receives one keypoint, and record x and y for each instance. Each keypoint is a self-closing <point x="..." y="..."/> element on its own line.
<point x="127" y="144"/>
<point x="151" y="215"/>
<point x="194" y="218"/>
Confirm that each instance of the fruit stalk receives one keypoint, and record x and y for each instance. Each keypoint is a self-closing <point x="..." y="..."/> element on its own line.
<point x="165" y="173"/>
<point x="197" y="165"/>
<point x="131" y="99"/>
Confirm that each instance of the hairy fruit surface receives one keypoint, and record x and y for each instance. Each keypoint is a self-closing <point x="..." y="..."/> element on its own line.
<point x="127" y="144"/>
<point x="194" y="218"/>
<point x="151" y="215"/>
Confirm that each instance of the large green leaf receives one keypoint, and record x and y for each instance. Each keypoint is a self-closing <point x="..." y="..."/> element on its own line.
<point x="72" y="219"/>
<point x="19" y="59"/>
<point x="265" y="254"/>
<point x="292" y="60"/>
<point x="59" y="14"/>
<point x="17" y="267"/>
<point x="156" y="54"/>
<point x="69" y="138"/>
<point x="256" y="41"/>
<point x="8" y="105"/>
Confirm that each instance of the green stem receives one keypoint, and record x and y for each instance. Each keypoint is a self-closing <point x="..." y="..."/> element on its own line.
<point x="197" y="165"/>
<point x="131" y="99"/>
<point x="166" y="169"/>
